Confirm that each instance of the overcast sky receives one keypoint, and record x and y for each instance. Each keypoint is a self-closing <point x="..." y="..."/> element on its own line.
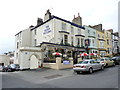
<point x="17" y="15"/>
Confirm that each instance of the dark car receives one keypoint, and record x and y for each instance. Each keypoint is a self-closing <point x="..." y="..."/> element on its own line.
<point x="116" y="60"/>
<point x="13" y="67"/>
<point x="3" y="68"/>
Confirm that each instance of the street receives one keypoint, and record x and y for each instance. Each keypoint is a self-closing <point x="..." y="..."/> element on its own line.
<point x="48" y="78"/>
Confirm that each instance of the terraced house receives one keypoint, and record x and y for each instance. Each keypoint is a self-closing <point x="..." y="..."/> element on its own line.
<point x="108" y="41"/>
<point x="100" y="40"/>
<point x="91" y="35"/>
<point x="34" y="47"/>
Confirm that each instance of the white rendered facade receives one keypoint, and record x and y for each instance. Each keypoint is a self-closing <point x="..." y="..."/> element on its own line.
<point x="28" y="52"/>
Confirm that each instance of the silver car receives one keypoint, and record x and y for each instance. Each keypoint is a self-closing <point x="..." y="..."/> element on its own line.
<point x="87" y="66"/>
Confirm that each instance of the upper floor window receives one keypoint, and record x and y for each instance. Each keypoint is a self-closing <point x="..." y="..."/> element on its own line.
<point x="63" y="26"/>
<point x="72" y="30"/>
<point x="94" y="33"/>
<point x="35" y="42"/>
<point x="72" y="41"/>
<point x="65" y="39"/>
<point x="98" y="36"/>
<point x="17" y="45"/>
<point x="35" y="32"/>
<point x="78" y="41"/>
<point x="82" y="42"/>
<point x="93" y="41"/>
<point x="107" y="34"/>
<point x="79" y="31"/>
<point x="107" y="42"/>
<point x="103" y="36"/>
<point x="88" y="31"/>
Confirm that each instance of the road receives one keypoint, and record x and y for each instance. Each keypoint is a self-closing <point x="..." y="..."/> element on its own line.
<point x="108" y="78"/>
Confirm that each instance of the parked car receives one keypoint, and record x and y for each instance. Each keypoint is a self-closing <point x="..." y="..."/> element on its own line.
<point x="101" y="61"/>
<point x="106" y="61"/>
<point x="116" y="60"/>
<point x="87" y="66"/>
<point x="3" y="68"/>
<point x="13" y="67"/>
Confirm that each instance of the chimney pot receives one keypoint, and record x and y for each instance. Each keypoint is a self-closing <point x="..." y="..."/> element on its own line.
<point x="78" y="14"/>
<point x="74" y="16"/>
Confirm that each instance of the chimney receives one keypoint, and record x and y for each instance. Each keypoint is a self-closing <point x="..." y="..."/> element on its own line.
<point x="78" y="14"/>
<point x="74" y="16"/>
<point x="47" y="15"/>
<point x="77" y="20"/>
<point x="39" y="21"/>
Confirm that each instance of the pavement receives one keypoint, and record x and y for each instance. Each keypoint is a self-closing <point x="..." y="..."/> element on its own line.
<point x="40" y="75"/>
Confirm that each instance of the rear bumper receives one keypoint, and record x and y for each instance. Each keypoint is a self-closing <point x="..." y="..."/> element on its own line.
<point x="80" y="69"/>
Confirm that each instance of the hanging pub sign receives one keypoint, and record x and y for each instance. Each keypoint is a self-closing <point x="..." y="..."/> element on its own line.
<point x="47" y="30"/>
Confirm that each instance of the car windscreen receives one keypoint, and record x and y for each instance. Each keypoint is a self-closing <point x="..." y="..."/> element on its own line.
<point x="83" y="62"/>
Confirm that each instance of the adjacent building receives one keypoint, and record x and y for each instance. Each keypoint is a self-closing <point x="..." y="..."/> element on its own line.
<point x="115" y="42"/>
<point x="91" y="38"/>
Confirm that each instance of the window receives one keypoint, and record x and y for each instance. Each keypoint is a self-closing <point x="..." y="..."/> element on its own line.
<point x="17" y="45"/>
<point x="35" y="42"/>
<point x="81" y="42"/>
<point x="65" y="39"/>
<point x="98" y="36"/>
<point x="72" y="30"/>
<point x="108" y="50"/>
<point x="79" y="31"/>
<point x="107" y="42"/>
<point x="16" y="55"/>
<point x="78" y="41"/>
<point x="35" y="31"/>
<point x="63" y="26"/>
<point x="93" y="41"/>
<point x="94" y="33"/>
<point x="88" y="31"/>
<point x="83" y="62"/>
<point x="107" y="34"/>
<point x="72" y="41"/>
<point x="103" y="36"/>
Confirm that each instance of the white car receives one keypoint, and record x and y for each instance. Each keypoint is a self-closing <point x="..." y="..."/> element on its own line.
<point x="87" y="66"/>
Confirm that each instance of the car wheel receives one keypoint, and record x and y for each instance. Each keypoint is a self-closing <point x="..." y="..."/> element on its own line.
<point x="90" y="70"/>
<point x="78" y="72"/>
<point x="119" y="63"/>
<point x="113" y="64"/>
<point x="102" y="67"/>
<point x="106" y="65"/>
<point x="9" y="70"/>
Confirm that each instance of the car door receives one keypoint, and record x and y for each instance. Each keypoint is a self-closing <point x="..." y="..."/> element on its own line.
<point x="107" y="61"/>
<point x="93" y="64"/>
<point x="98" y="65"/>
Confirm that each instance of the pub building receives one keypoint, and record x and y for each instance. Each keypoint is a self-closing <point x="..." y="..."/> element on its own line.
<point x="35" y="46"/>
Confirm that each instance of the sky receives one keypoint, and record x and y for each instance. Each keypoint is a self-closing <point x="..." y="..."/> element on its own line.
<point x="17" y="15"/>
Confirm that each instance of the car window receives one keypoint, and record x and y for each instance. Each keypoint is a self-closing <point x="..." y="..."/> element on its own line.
<point x="98" y="59"/>
<point x="101" y="59"/>
<point x="17" y="64"/>
<point x="92" y="62"/>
